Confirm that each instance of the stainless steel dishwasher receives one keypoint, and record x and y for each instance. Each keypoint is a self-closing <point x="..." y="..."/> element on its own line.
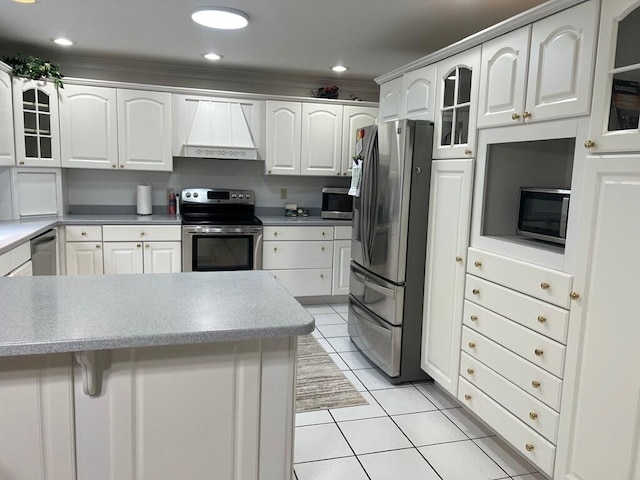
<point x="44" y="253"/>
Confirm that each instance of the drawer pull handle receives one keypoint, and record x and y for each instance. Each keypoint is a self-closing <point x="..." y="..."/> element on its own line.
<point x="477" y="263"/>
<point x="84" y="234"/>
<point x="322" y="275"/>
<point x="458" y="259"/>
<point x="472" y="345"/>
<point x="470" y="371"/>
<point x="542" y="319"/>
<point x="275" y="234"/>
<point x="544" y="285"/>
<point x="322" y="249"/>
<point x="475" y="291"/>
<point x="535" y="384"/>
<point x="538" y="352"/>
<point x="275" y="249"/>
<point x="467" y="397"/>
<point x="574" y="296"/>
<point x="474" y="318"/>
<point x="323" y="234"/>
<point x="533" y="415"/>
<point x="142" y="234"/>
<point x="529" y="447"/>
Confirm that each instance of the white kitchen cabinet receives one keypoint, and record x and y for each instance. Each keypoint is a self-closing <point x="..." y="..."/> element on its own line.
<point x="559" y="52"/>
<point x="341" y="267"/>
<point x="419" y="90"/>
<point x="614" y="120"/>
<point x="447" y="241"/>
<point x="88" y="127"/>
<point x="321" y="145"/>
<point x="600" y="418"/>
<point x="144" y="130"/>
<point x="36" y="417"/>
<point x="284" y="129"/>
<point x="25" y="270"/>
<point x="162" y="257"/>
<point x="123" y="258"/>
<point x="36" y="123"/>
<point x="7" y="150"/>
<point x="83" y="250"/>
<point x="391" y="100"/>
<point x="353" y="119"/>
<point x="457" y="84"/>
<point x="14" y="258"/>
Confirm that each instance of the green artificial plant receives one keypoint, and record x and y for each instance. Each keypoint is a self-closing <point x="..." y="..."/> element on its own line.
<point x="34" y="68"/>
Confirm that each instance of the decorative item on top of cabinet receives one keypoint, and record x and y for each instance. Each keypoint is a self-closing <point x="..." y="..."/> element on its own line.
<point x="391" y="100"/>
<point x="7" y="150"/>
<point x="36" y="124"/>
<point x="616" y="101"/>
<point x="447" y="241"/>
<point x="457" y="100"/>
<point x="419" y="89"/>
<point x="559" y="53"/>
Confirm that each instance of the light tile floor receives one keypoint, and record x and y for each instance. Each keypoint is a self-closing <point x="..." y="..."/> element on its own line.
<point x="407" y="432"/>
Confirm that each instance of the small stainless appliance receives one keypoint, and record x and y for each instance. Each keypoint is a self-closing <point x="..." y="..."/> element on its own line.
<point x="220" y="231"/>
<point x="337" y="203"/>
<point x="43" y="253"/>
<point x="543" y="214"/>
<point x="388" y="248"/>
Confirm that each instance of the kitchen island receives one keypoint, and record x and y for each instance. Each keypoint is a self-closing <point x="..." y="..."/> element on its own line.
<point x="165" y="376"/>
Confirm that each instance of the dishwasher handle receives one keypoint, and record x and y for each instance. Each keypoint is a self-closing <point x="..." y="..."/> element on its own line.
<point x="47" y="237"/>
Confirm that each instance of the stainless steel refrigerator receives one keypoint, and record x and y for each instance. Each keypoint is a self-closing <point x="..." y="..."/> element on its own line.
<point x="388" y="247"/>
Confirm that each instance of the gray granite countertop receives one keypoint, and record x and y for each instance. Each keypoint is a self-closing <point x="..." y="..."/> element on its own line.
<point x="277" y="220"/>
<point x="81" y="313"/>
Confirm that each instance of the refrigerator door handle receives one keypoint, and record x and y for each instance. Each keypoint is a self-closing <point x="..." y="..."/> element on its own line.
<point x="372" y="284"/>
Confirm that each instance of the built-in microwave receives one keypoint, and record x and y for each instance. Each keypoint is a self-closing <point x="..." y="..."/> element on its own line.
<point x="337" y="203"/>
<point x="543" y="213"/>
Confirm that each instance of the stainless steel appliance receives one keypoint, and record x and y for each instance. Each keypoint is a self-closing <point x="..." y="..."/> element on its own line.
<point x="543" y="213"/>
<point x="389" y="246"/>
<point x="44" y="259"/>
<point x="220" y="231"/>
<point x="337" y="203"/>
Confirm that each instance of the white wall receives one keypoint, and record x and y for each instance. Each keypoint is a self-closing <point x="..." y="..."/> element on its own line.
<point x="106" y="187"/>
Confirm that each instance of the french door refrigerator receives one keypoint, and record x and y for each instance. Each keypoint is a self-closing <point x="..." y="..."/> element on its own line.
<point x="388" y="247"/>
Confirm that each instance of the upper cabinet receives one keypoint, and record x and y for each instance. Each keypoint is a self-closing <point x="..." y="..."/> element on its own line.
<point x="35" y="116"/>
<point x="558" y="51"/>
<point x="391" y="100"/>
<point x="284" y="127"/>
<point x="144" y="130"/>
<point x="457" y="100"/>
<point x="419" y="92"/>
<point x="88" y="127"/>
<point x="616" y="100"/>
<point x="321" y="139"/>
<point x="7" y="152"/>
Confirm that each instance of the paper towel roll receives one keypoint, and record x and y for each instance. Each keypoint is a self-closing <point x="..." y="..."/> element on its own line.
<point x="143" y="195"/>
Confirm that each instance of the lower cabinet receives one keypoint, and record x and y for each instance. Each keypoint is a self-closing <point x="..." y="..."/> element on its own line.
<point x="16" y="262"/>
<point x="341" y="260"/>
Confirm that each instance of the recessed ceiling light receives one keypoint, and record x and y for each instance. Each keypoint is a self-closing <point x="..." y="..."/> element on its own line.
<point x="339" y="68"/>
<point x="25" y="1"/>
<point x="212" y="56"/>
<point x="220" y="17"/>
<point x="65" y="42"/>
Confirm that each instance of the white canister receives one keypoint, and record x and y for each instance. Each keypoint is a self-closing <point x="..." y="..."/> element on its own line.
<point x="143" y="199"/>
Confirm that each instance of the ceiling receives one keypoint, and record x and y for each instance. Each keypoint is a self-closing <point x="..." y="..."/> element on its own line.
<point x="300" y="37"/>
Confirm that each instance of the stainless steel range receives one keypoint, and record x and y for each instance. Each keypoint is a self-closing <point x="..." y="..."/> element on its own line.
<point x="220" y="231"/>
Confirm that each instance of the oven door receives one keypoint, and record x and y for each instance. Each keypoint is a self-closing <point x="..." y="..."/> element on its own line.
<point x="225" y="248"/>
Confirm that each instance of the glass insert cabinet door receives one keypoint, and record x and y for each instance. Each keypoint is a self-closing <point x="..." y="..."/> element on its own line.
<point x="616" y="106"/>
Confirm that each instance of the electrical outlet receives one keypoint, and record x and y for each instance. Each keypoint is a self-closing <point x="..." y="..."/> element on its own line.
<point x="283" y="193"/>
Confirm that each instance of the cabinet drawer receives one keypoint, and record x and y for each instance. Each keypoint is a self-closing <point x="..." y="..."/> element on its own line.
<point x="297" y="233"/>
<point x="132" y="233"/>
<point x="551" y="321"/>
<point x="342" y="233"/>
<point x="530" y="411"/>
<point x="294" y="255"/>
<point x="534" y="347"/>
<point x="549" y="285"/>
<point x="83" y="233"/>
<point x="539" y="383"/>
<point x="304" y="283"/>
<point x="540" y="452"/>
<point x="14" y="258"/>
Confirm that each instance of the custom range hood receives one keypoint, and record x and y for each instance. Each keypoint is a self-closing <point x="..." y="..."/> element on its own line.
<point x="218" y="128"/>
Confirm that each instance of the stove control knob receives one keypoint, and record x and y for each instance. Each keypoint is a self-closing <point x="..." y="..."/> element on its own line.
<point x="241" y="196"/>
<point x="195" y="194"/>
<point x="233" y="195"/>
<point x="247" y="196"/>
<point x="188" y="194"/>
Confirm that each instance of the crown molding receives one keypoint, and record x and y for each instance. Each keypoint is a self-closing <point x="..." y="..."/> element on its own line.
<point x="506" y="26"/>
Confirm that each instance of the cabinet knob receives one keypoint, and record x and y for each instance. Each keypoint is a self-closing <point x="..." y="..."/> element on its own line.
<point x="470" y="371"/>
<point x="467" y="397"/>
<point x="146" y="245"/>
<point x="275" y="234"/>
<point x="526" y="114"/>
<point x="322" y="248"/>
<point x="98" y="245"/>
<point x="113" y="165"/>
<point x="121" y="166"/>
<point x="472" y="345"/>
<point x="468" y="151"/>
<point x="535" y="384"/>
<point x="477" y="263"/>
<point x="538" y="352"/>
<point x="458" y="259"/>
<point x="338" y="173"/>
<point x="542" y="319"/>
<point x="529" y="447"/>
<point x="269" y="172"/>
<point x="475" y="291"/>
<point x="574" y="296"/>
<point x="275" y="249"/>
<point x="84" y="234"/>
<point x="138" y="245"/>
<point x="544" y="286"/>
<point x="474" y="318"/>
<point x="323" y="234"/>
<point x="589" y="144"/>
<point x="21" y="162"/>
<point x="533" y="415"/>
<point x="344" y="173"/>
<point x="515" y="116"/>
<point x="322" y="275"/>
